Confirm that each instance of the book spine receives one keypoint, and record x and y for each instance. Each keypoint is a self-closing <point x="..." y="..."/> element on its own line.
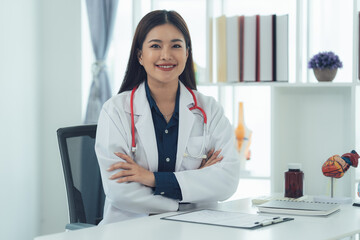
<point x="232" y="49"/>
<point x="249" y="63"/>
<point x="273" y="47"/>
<point x="210" y="50"/>
<point x="257" y="64"/>
<point x="266" y="48"/>
<point x="221" y="49"/>
<point x="282" y="49"/>
<point x="241" y="47"/>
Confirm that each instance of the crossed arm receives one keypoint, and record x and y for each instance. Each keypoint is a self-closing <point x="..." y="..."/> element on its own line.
<point x="132" y="172"/>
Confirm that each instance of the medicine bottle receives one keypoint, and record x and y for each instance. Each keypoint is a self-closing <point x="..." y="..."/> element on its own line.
<point x="294" y="181"/>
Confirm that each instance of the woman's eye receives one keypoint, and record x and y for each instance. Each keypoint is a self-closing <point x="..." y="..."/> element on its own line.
<point x="155" y="46"/>
<point x="177" y="46"/>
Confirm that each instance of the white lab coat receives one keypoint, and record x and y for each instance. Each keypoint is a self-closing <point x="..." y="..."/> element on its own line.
<point x="128" y="200"/>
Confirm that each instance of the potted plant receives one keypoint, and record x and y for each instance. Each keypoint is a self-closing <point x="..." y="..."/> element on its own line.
<point x="325" y="65"/>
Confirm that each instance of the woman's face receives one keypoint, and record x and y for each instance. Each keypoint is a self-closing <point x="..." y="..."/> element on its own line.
<point x="163" y="54"/>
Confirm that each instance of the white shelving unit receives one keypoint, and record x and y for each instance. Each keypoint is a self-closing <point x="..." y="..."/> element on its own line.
<point x="309" y="121"/>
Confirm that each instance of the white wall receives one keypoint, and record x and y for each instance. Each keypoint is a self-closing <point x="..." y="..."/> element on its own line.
<point x="19" y="155"/>
<point x="40" y="83"/>
<point x="318" y="128"/>
<point x="60" y="105"/>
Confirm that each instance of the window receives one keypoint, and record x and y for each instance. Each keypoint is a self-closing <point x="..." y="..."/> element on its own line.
<point x="330" y="28"/>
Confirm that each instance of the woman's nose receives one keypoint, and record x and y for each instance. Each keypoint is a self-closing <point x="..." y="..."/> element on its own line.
<point x="165" y="54"/>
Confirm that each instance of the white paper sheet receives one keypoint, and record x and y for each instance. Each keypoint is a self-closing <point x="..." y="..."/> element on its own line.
<point x="229" y="219"/>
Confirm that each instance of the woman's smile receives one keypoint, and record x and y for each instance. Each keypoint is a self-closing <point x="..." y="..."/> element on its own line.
<point x="166" y="67"/>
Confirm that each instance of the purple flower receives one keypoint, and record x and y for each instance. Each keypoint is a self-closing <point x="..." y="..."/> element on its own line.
<point x="325" y="60"/>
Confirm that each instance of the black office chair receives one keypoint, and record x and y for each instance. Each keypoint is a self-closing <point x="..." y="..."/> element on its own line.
<point x="84" y="188"/>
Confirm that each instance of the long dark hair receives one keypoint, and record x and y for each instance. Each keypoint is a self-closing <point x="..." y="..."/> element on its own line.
<point x="135" y="73"/>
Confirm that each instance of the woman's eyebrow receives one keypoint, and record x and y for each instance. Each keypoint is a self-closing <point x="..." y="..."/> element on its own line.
<point x="159" y="41"/>
<point x="177" y="40"/>
<point x="154" y="40"/>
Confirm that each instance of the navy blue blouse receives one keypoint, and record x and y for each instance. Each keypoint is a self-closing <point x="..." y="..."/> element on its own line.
<point x="166" y="139"/>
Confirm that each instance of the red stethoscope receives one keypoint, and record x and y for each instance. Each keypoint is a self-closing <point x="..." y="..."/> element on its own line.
<point x="186" y="154"/>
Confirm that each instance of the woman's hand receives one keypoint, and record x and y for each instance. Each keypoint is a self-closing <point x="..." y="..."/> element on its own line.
<point x="131" y="172"/>
<point x="212" y="158"/>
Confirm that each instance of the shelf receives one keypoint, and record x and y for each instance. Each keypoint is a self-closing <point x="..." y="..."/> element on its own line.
<point x="306" y="121"/>
<point x="279" y="84"/>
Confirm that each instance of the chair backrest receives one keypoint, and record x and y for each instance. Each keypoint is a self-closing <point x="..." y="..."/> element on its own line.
<point x="82" y="174"/>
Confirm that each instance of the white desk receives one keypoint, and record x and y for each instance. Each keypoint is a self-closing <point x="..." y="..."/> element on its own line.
<point x="344" y="223"/>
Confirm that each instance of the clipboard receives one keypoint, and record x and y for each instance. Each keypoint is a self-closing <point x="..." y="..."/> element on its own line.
<point x="227" y="219"/>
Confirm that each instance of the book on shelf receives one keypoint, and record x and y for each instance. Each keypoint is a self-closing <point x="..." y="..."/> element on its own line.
<point x="273" y="35"/>
<point x="249" y="59"/>
<point x="266" y="48"/>
<point x="282" y="48"/>
<point x="210" y="57"/>
<point x="241" y="48"/>
<point x="221" y="48"/>
<point x="232" y="49"/>
<point x="257" y="49"/>
<point x="252" y="48"/>
<point x="306" y="208"/>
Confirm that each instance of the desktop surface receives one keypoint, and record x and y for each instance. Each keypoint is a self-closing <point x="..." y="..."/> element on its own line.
<point x="341" y="224"/>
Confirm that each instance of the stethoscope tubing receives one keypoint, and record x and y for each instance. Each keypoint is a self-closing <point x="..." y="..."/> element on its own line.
<point x="133" y="143"/>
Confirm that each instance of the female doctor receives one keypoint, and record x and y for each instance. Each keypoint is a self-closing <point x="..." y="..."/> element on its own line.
<point x="156" y="139"/>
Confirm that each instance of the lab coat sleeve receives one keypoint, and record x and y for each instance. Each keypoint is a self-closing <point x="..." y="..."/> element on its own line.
<point x="132" y="197"/>
<point x="219" y="181"/>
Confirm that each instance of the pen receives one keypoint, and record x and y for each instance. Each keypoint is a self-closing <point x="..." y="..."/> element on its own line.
<point x="278" y="219"/>
<point x="269" y="221"/>
<point x="265" y="223"/>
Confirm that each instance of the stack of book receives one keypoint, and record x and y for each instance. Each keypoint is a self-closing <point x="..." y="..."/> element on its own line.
<point x="252" y="48"/>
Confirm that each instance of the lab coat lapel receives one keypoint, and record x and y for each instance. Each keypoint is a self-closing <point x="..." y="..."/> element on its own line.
<point x="186" y="122"/>
<point x="145" y="128"/>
